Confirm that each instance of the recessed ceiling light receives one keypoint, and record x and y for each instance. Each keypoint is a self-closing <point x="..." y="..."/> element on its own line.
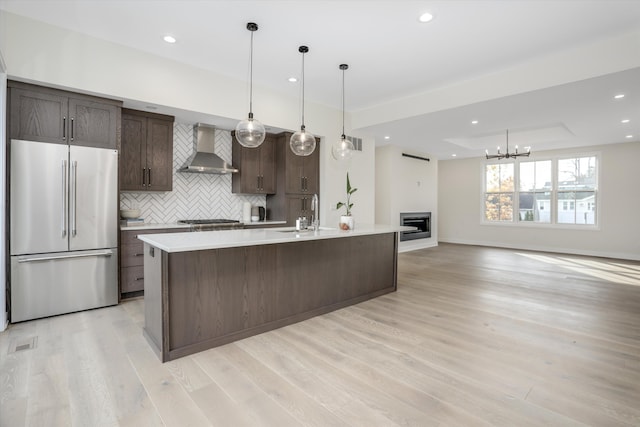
<point x="629" y="136"/>
<point x="387" y="137"/>
<point x="292" y="79"/>
<point x="474" y="122"/>
<point x="169" y="39"/>
<point x="425" y="17"/>
<point x="619" y="96"/>
<point x="624" y="121"/>
<point x="453" y="155"/>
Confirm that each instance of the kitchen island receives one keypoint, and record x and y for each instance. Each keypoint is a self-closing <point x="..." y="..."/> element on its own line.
<point x="210" y="288"/>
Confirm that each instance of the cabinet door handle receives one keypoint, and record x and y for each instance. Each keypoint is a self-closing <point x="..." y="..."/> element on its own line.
<point x="142" y="254"/>
<point x="137" y="279"/>
<point x="149" y="177"/>
<point x="72" y="125"/>
<point x="64" y="128"/>
<point x="144" y="170"/>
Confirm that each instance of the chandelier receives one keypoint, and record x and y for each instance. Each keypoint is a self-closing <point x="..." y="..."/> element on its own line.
<point x="507" y="155"/>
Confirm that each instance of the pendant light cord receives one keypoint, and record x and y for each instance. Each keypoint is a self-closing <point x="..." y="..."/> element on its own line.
<point x="303" y="90"/>
<point x="343" y="136"/>
<point x="251" y="78"/>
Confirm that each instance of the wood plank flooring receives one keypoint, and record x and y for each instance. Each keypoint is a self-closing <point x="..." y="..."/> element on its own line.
<point x="474" y="336"/>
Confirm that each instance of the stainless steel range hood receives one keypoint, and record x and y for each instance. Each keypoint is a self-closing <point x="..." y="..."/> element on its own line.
<point x="205" y="160"/>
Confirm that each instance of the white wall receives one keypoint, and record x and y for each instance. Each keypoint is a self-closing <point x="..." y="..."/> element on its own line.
<point x="3" y="150"/>
<point x="618" y="233"/>
<point x="49" y="55"/>
<point x="405" y="184"/>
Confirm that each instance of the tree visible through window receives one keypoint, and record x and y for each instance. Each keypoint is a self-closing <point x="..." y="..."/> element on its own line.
<point x="499" y="195"/>
<point x="562" y="191"/>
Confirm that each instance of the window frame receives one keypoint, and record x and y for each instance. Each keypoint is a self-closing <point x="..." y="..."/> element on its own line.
<point x="553" y="201"/>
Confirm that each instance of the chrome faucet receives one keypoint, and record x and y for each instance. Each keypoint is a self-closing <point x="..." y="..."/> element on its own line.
<point x="315" y="207"/>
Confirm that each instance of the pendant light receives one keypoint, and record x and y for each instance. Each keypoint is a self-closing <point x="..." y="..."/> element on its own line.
<point x="302" y="143"/>
<point x="342" y="149"/>
<point x="250" y="132"/>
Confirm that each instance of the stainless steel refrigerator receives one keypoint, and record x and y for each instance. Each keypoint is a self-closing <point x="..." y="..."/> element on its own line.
<point x="64" y="225"/>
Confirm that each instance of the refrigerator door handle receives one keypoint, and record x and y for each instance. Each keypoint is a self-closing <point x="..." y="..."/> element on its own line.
<point x="33" y="258"/>
<point x="65" y="196"/>
<point x="74" y="193"/>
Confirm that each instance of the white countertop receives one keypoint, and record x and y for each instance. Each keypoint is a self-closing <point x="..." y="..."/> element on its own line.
<point x="263" y="223"/>
<point x="151" y="226"/>
<point x="198" y="241"/>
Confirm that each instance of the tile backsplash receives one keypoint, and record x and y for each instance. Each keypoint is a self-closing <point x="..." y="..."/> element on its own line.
<point x="194" y="196"/>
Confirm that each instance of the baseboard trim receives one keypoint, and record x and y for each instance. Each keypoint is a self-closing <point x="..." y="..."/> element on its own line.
<point x="414" y="246"/>
<point x="542" y="248"/>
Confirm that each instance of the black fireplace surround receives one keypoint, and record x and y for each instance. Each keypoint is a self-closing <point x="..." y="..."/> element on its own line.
<point x="420" y="220"/>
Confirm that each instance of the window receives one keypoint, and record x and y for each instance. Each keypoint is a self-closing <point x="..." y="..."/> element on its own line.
<point x="577" y="185"/>
<point x="535" y="190"/>
<point x="499" y="195"/>
<point x="558" y="191"/>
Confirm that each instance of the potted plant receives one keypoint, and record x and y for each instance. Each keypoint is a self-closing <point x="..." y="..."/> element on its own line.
<point x="346" y="221"/>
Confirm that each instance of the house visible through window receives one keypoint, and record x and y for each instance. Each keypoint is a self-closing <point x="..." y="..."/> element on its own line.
<point x="535" y="191"/>
<point x="559" y="191"/>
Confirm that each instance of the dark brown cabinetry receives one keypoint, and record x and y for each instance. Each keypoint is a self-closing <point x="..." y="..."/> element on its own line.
<point x="257" y="167"/>
<point x="132" y="260"/>
<point x="146" y="162"/>
<point x="297" y="180"/>
<point x="49" y="115"/>
<point x="298" y="206"/>
<point x="302" y="173"/>
<point x="197" y="300"/>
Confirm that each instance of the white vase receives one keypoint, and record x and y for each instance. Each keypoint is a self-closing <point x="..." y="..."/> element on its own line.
<point x="346" y="222"/>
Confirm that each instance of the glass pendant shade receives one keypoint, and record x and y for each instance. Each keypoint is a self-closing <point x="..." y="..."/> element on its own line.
<point x="302" y="143"/>
<point x="342" y="149"/>
<point x="250" y="132"/>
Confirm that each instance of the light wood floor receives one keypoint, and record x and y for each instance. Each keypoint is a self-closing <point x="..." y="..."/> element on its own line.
<point x="473" y="337"/>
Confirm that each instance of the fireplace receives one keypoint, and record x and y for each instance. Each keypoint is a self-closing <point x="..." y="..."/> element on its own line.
<point x="420" y="220"/>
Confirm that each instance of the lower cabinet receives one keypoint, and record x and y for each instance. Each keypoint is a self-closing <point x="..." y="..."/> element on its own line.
<point x="132" y="260"/>
<point x="298" y="206"/>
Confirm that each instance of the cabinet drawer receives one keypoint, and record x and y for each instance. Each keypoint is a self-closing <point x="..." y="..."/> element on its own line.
<point x="132" y="255"/>
<point x="132" y="279"/>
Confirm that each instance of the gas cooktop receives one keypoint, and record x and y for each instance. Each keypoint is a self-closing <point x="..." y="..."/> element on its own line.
<point x="212" y="224"/>
<point x="207" y="221"/>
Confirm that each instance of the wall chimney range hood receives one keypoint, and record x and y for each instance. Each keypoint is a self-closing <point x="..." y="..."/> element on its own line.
<point x="205" y="160"/>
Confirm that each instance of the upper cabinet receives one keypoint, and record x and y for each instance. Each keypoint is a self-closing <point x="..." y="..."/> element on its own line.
<point x="257" y="167"/>
<point x="146" y="160"/>
<point x="50" y="115"/>
<point x="297" y="179"/>
<point x="301" y="173"/>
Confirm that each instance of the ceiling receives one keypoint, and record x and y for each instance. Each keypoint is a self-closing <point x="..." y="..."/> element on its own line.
<point x="391" y="55"/>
